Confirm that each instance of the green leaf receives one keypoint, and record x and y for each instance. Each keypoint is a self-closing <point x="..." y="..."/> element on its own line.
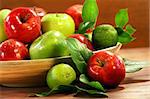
<point x="79" y="53"/>
<point x="84" y="26"/>
<point x="121" y="18"/>
<point x="130" y="29"/>
<point x="68" y="89"/>
<point x="124" y="37"/>
<point x="132" y="69"/>
<point x="92" y="92"/>
<point x="88" y="36"/>
<point x="90" y="11"/>
<point x="119" y="30"/>
<point x="134" y="66"/>
<point x="59" y="89"/>
<point x="94" y="84"/>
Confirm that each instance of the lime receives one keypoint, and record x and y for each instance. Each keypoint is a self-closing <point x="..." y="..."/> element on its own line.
<point x="61" y="74"/>
<point x="104" y="36"/>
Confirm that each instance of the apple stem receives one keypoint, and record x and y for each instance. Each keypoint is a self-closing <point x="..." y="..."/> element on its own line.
<point x="101" y="64"/>
<point x="23" y="20"/>
<point x="57" y="15"/>
<point x="34" y="9"/>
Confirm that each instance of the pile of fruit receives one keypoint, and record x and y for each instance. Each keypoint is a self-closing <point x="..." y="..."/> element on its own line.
<point x="30" y="33"/>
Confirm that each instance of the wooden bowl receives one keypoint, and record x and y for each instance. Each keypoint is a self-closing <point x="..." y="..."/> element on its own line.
<point x="29" y="73"/>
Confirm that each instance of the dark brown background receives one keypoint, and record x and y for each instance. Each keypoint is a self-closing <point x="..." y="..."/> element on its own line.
<point x="138" y="13"/>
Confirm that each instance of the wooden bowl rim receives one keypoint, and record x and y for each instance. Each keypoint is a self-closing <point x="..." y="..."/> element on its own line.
<point x="35" y="60"/>
<point x="116" y="48"/>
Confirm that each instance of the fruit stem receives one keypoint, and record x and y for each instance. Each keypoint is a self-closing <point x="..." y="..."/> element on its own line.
<point x="57" y="15"/>
<point x="34" y="9"/>
<point x="101" y="64"/>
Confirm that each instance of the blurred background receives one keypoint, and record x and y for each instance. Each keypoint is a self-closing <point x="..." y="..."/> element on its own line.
<point x="138" y="13"/>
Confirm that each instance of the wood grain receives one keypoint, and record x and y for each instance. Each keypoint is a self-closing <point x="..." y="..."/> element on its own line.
<point x="135" y="85"/>
<point x="25" y="73"/>
<point x="138" y="12"/>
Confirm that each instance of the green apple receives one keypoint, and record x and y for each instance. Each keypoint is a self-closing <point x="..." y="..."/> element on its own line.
<point x="104" y="36"/>
<point x="61" y="74"/>
<point x="50" y="44"/>
<point x="3" y="14"/>
<point x="61" y="22"/>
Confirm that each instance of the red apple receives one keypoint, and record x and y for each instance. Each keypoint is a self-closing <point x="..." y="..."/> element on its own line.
<point x="107" y="68"/>
<point x="39" y="11"/>
<point x="13" y="50"/>
<point x="83" y="39"/>
<point x="75" y="12"/>
<point x="22" y="24"/>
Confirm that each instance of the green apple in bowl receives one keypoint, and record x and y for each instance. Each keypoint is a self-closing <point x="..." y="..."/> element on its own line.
<point x="58" y="21"/>
<point x="50" y="44"/>
<point x="3" y="14"/>
<point x="104" y="36"/>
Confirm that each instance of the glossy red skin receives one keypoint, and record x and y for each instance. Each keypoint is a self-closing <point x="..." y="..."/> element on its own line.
<point x="26" y="31"/>
<point x="75" y="12"/>
<point x="83" y="39"/>
<point x="89" y="31"/>
<point x="13" y="50"/>
<point x="111" y="73"/>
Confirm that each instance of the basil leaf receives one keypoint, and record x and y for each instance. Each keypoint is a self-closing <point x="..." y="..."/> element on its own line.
<point x="121" y="18"/>
<point x="134" y="66"/>
<point x="124" y="37"/>
<point x="94" y="84"/>
<point x="92" y="92"/>
<point x="130" y="29"/>
<point x="79" y="53"/>
<point x="90" y="11"/>
<point x="84" y="26"/>
<point x="59" y="89"/>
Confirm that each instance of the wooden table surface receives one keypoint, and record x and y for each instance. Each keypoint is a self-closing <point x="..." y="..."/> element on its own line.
<point x="135" y="85"/>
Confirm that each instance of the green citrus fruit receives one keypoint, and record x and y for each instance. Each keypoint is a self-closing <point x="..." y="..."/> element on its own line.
<point x="104" y="36"/>
<point x="61" y="74"/>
